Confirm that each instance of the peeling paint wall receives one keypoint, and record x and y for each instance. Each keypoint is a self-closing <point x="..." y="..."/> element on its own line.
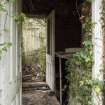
<point x="10" y="70"/>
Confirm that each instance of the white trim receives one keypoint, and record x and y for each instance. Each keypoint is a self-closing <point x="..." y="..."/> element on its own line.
<point x="97" y="72"/>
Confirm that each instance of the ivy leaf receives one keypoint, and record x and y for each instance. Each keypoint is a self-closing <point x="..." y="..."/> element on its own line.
<point x="2" y="7"/>
<point x="12" y="1"/>
<point x="97" y="89"/>
<point x="19" y="18"/>
<point x="4" y="47"/>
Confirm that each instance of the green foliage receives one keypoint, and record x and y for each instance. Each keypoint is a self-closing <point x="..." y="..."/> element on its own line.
<point x="2" y="7"/>
<point x="42" y="56"/>
<point x="79" y="70"/>
<point x="20" y="18"/>
<point x="3" y="48"/>
<point x="42" y="62"/>
<point x="103" y="16"/>
<point x="79" y="75"/>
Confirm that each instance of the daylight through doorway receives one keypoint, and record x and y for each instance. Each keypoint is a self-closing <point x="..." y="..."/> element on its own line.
<point x="33" y="49"/>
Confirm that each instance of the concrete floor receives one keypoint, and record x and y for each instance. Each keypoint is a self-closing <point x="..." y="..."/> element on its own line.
<point x="38" y="94"/>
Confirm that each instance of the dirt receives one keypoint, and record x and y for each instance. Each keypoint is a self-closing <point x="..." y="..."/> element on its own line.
<point x="39" y="97"/>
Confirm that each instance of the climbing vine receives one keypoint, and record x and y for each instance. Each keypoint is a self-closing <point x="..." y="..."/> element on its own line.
<point x="18" y="18"/>
<point x="79" y="67"/>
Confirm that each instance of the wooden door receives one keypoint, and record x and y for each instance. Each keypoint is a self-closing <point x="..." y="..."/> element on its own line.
<point x="50" y="53"/>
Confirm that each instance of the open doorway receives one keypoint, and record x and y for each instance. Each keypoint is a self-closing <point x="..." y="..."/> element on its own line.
<point x="34" y="49"/>
<point x="38" y="60"/>
<point x="63" y="35"/>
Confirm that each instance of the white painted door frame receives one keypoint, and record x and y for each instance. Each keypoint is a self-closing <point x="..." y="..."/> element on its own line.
<point x="50" y="53"/>
<point x="98" y="48"/>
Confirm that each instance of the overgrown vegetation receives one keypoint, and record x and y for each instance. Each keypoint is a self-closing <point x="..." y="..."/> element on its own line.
<point x="42" y="57"/>
<point x="79" y="67"/>
<point x="18" y="18"/>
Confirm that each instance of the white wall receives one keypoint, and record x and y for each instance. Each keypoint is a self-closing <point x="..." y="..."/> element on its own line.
<point x="97" y="72"/>
<point x="10" y="68"/>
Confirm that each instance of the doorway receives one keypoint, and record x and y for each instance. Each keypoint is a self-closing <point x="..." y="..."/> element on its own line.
<point x="34" y="49"/>
<point x="38" y="57"/>
<point x="65" y="24"/>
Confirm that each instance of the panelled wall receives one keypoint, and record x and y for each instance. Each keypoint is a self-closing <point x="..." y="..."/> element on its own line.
<point x="10" y="65"/>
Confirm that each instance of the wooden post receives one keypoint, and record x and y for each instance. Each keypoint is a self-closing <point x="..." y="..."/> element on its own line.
<point x="60" y="70"/>
<point x="97" y="72"/>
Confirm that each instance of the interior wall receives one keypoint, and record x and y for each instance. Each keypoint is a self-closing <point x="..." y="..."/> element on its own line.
<point x="68" y="26"/>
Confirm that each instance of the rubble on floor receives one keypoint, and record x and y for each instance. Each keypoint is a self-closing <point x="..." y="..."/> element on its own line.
<point x="34" y="91"/>
<point x="31" y="72"/>
<point x="38" y="93"/>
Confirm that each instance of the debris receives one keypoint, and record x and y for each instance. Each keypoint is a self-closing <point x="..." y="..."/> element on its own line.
<point x="31" y="73"/>
<point x="38" y="93"/>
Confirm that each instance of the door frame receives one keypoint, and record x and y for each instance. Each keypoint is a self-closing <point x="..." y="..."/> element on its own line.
<point x="50" y="51"/>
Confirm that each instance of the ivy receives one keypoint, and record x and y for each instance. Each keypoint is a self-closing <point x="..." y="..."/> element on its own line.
<point x="2" y="7"/>
<point x="19" y="18"/>
<point x="3" y="48"/>
<point x="79" y="69"/>
<point x="12" y="1"/>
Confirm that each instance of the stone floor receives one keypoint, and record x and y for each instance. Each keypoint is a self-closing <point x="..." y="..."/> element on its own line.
<point x="38" y="94"/>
